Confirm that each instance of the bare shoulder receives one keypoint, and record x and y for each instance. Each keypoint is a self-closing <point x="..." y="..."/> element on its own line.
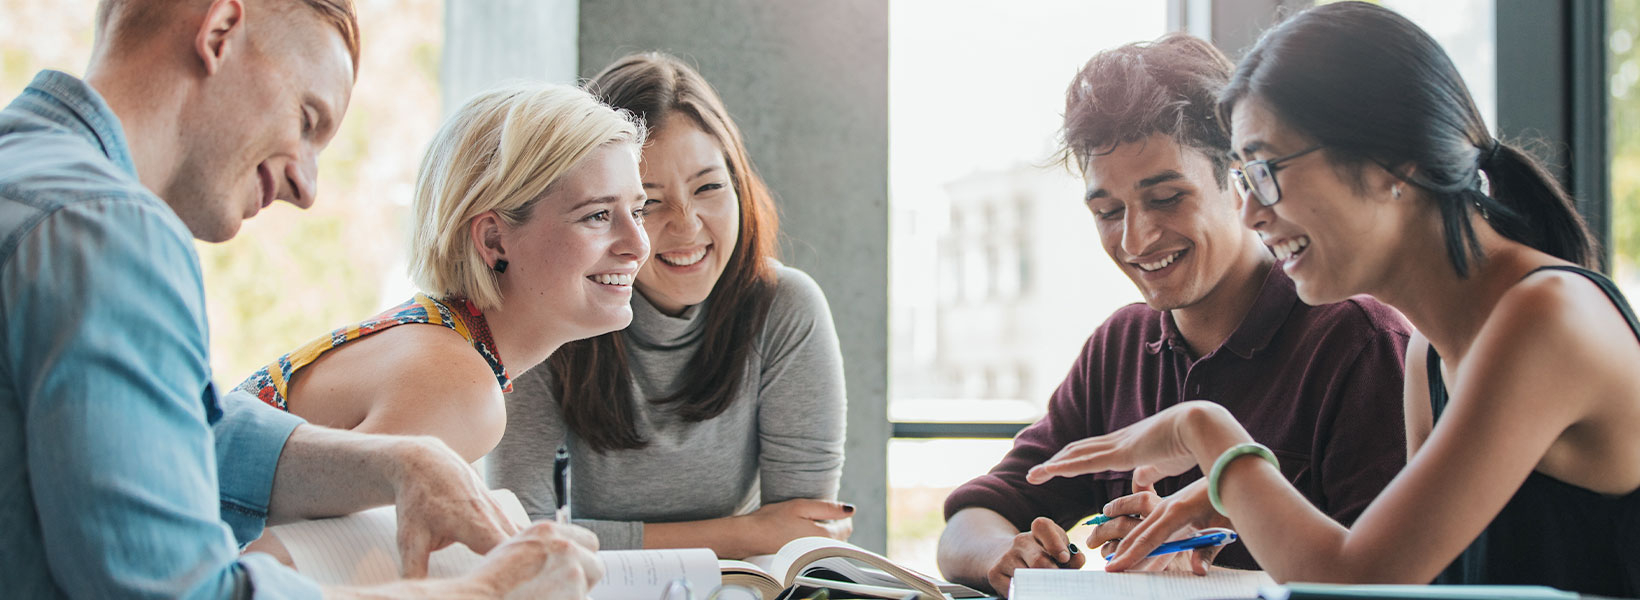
<point x="1554" y="336"/>
<point x="426" y="380"/>
<point x="1561" y="314"/>
<point x="1576" y="351"/>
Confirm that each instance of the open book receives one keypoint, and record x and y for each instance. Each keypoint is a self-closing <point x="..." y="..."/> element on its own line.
<point x="361" y="549"/>
<point x="828" y="563"/>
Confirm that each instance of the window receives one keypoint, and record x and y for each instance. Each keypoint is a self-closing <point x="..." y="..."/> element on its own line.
<point x="1623" y="81"/>
<point x="1003" y="291"/>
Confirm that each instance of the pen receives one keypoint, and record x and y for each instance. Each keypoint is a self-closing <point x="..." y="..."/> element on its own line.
<point x="1216" y="536"/>
<point x="1101" y="519"/>
<point x="560" y="482"/>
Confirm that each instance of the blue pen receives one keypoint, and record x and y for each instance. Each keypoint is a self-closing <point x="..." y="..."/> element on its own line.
<point x="1216" y="536"/>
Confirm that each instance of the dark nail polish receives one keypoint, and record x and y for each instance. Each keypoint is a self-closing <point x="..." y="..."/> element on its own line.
<point x="848" y="508"/>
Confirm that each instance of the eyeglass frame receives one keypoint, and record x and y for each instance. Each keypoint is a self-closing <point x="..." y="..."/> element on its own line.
<point x="1244" y="183"/>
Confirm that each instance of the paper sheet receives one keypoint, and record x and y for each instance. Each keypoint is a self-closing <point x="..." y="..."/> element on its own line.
<point x="1060" y="584"/>
<point x="362" y="549"/>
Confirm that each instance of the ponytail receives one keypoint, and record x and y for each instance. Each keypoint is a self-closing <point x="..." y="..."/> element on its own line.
<point x="1529" y="206"/>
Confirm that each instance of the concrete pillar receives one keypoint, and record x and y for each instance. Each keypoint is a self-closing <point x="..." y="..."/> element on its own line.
<point x="490" y="41"/>
<point x="808" y="84"/>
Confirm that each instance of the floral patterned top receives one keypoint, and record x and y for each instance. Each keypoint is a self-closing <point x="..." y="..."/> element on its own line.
<point x="272" y="383"/>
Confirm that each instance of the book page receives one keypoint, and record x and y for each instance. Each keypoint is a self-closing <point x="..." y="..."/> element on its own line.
<point x="1061" y="584"/>
<point x="804" y="555"/>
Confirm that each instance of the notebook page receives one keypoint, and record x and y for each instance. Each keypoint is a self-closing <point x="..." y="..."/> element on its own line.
<point x="1059" y="584"/>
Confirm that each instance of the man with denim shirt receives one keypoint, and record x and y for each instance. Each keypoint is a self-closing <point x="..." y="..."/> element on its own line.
<point x="122" y="473"/>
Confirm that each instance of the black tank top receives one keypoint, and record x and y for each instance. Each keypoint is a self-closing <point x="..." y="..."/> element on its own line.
<point x="1551" y="532"/>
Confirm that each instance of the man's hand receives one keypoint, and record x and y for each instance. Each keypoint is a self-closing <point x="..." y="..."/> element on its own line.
<point x="1045" y="546"/>
<point x="440" y="500"/>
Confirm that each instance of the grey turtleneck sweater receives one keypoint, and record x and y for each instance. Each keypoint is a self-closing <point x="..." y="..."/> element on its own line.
<point x="781" y="439"/>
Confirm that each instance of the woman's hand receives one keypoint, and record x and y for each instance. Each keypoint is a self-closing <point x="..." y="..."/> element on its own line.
<point x="1160" y="520"/>
<point x="1157" y="447"/>
<point x="772" y="525"/>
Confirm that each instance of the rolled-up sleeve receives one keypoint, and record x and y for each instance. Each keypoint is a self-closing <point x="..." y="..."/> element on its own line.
<point x="249" y="437"/>
<point x="105" y="341"/>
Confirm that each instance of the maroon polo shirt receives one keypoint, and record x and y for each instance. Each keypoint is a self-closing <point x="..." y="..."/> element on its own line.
<point x="1319" y="385"/>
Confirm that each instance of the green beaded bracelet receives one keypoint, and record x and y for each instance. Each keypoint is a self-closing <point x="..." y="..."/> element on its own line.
<point x="1236" y="451"/>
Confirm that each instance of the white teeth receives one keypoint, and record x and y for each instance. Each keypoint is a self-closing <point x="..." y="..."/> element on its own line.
<point x="683" y="260"/>
<point x="612" y="279"/>
<point x="1158" y="265"/>
<point x="1287" y="248"/>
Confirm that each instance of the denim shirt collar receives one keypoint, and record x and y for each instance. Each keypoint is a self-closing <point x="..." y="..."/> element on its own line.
<point x="70" y="102"/>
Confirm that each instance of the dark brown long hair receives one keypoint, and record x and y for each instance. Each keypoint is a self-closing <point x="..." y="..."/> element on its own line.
<point x="590" y="377"/>
<point x="1371" y="87"/>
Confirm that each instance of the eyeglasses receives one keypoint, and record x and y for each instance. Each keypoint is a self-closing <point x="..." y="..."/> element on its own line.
<point x="1257" y="179"/>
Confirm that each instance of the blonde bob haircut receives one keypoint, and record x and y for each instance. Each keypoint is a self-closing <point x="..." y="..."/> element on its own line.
<point x="502" y="151"/>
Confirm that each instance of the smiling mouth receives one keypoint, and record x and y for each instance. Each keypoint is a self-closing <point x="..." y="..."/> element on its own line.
<point x="613" y="279"/>
<point x="1290" y="247"/>
<point x="1160" y="264"/>
<point x="684" y="259"/>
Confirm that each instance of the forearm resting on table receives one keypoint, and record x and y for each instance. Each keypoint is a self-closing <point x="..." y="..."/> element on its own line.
<point x="973" y="540"/>
<point x="725" y="536"/>
<point x="324" y="472"/>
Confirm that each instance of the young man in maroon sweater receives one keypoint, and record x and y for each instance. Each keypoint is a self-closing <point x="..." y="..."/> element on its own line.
<point x="1320" y="385"/>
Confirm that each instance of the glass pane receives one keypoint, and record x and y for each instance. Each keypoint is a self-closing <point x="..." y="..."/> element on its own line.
<point x="1467" y="30"/>
<point x="917" y="491"/>
<point x="987" y="236"/>
<point x="1623" y="71"/>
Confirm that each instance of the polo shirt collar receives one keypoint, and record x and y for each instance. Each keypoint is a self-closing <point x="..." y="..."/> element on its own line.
<point x="1275" y="301"/>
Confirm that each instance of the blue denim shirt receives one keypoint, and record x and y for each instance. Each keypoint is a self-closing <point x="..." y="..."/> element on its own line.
<point x="122" y="475"/>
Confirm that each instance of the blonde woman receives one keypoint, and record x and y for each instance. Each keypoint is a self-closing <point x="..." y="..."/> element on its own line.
<point x="528" y="234"/>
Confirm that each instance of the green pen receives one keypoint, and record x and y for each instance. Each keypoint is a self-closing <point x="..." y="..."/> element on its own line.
<point x="1101" y="519"/>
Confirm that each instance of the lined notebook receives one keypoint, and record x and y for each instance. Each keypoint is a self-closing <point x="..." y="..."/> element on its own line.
<point x="1061" y="584"/>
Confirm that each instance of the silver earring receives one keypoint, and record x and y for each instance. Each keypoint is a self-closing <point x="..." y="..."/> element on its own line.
<point x="1395" y="191"/>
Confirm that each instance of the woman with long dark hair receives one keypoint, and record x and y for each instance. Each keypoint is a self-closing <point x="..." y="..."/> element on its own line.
<point x="1368" y="170"/>
<point x="716" y="419"/>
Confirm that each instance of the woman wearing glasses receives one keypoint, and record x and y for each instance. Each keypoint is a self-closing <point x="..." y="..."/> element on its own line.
<point x="1373" y="173"/>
